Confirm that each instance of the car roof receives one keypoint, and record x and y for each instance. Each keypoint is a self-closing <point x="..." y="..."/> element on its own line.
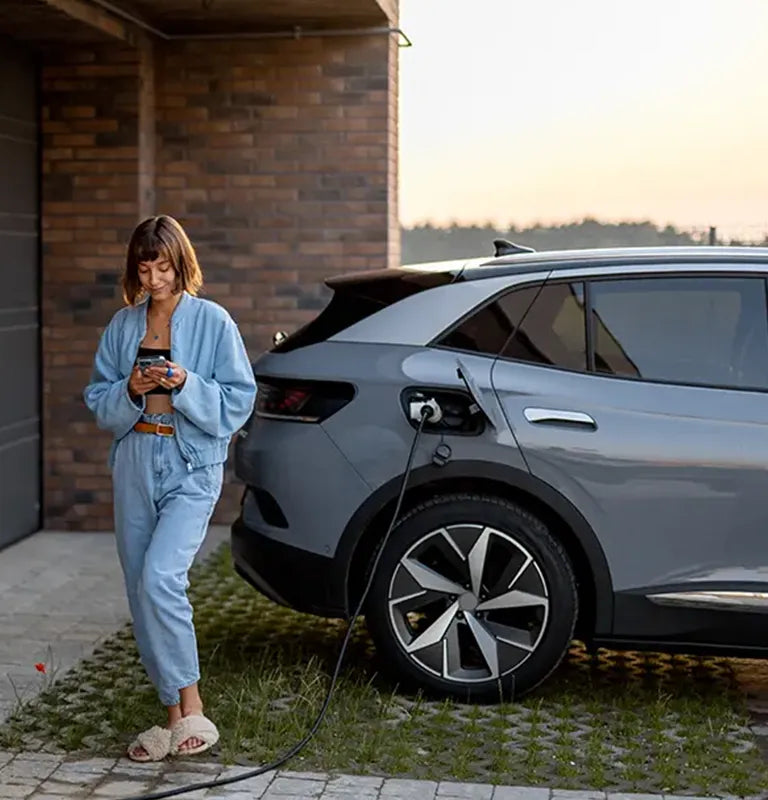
<point x="521" y="263"/>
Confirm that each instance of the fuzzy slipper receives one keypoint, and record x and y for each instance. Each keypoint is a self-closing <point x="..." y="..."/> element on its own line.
<point x="156" y="742"/>
<point x="195" y="726"/>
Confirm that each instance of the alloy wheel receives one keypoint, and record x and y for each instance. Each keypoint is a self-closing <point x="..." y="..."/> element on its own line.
<point x="468" y="603"/>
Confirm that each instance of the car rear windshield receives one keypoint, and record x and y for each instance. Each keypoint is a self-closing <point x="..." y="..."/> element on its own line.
<point x="358" y="296"/>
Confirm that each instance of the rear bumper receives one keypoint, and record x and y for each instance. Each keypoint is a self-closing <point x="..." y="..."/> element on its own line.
<point x="287" y="575"/>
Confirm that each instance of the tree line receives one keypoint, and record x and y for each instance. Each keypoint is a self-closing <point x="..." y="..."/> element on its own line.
<point x="433" y="243"/>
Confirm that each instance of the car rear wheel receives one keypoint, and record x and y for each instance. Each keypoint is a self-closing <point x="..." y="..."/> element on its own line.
<point x="472" y="597"/>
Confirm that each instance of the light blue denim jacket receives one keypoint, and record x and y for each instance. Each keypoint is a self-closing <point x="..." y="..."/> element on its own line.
<point x="214" y="402"/>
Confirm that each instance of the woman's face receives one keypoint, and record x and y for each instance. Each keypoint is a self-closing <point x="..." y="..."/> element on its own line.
<point x="158" y="278"/>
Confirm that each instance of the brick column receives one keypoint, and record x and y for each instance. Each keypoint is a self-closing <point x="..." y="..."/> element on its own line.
<point x="92" y="171"/>
<point x="393" y="156"/>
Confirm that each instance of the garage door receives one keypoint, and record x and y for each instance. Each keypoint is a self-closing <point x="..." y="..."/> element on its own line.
<point x="19" y="304"/>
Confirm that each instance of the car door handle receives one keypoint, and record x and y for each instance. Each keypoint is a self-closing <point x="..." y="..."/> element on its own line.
<point x="552" y="416"/>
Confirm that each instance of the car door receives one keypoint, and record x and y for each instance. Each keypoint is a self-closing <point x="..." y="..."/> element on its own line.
<point x="642" y="399"/>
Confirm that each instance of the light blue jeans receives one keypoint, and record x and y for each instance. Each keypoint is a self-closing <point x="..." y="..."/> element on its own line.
<point x="162" y="510"/>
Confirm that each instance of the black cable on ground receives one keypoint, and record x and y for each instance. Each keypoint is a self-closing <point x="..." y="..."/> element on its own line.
<point x="426" y="412"/>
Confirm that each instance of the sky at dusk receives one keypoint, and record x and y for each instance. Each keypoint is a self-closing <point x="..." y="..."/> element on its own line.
<point x="549" y="111"/>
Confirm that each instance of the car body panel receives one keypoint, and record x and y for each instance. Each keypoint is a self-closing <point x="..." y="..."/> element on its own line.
<point x="672" y="479"/>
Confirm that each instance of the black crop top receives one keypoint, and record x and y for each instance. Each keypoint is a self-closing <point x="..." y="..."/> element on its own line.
<point x="156" y="351"/>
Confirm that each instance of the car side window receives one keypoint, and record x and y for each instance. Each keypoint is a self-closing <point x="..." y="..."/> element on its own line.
<point x="487" y="330"/>
<point x="553" y="332"/>
<point x="700" y="330"/>
<point x="540" y="325"/>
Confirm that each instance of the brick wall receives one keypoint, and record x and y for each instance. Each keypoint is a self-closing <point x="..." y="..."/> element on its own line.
<point x="91" y="165"/>
<point x="278" y="156"/>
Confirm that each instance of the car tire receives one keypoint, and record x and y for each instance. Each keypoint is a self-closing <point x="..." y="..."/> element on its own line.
<point x="430" y="637"/>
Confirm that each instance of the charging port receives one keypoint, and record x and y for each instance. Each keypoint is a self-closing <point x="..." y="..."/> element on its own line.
<point x="448" y="411"/>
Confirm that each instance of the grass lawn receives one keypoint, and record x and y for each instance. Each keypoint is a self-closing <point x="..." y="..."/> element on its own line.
<point x="618" y="722"/>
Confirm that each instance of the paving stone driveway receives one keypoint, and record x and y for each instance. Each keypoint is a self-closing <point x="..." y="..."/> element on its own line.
<point x="40" y="776"/>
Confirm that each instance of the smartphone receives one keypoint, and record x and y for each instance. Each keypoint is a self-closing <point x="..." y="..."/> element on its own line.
<point x="150" y="361"/>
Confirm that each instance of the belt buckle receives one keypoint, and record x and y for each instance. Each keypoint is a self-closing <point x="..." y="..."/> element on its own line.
<point x="159" y="429"/>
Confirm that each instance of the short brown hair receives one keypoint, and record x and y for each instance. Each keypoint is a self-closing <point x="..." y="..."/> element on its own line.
<point x="160" y="237"/>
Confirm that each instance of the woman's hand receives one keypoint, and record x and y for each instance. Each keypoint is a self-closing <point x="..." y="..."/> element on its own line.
<point x="170" y="375"/>
<point x="140" y="384"/>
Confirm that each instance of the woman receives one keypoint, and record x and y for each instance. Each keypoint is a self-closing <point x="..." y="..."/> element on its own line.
<point x="171" y="424"/>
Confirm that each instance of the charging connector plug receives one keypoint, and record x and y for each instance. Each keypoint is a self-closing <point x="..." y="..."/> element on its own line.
<point x="427" y="408"/>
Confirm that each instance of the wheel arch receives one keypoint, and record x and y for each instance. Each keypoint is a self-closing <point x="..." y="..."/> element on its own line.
<point x="369" y="524"/>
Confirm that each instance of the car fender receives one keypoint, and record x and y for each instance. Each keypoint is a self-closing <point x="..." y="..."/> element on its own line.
<point x="511" y="477"/>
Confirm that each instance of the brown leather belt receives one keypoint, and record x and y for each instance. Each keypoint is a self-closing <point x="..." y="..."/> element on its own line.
<point x="154" y="427"/>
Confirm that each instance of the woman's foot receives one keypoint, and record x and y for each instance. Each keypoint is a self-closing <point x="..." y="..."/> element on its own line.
<point x="191" y="705"/>
<point x="192" y="742"/>
<point x="137" y="753"/>
<point x="194" y="733"/>
<point x="151" y="745"/>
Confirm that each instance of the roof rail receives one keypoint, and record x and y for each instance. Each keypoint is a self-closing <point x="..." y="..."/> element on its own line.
<point x="507" y="248"/>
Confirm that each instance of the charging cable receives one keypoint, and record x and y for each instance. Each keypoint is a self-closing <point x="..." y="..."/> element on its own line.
<point x="426" y="412"/>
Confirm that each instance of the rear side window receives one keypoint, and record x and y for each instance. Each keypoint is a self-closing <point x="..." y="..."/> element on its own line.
<point x="539" y="324"/>
<point x="553" y="332"/>
<point x="489" y="328"/>
<point x="708" y="331"/>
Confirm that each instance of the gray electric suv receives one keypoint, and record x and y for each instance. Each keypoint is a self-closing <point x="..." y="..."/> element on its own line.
<point x="595" y="465"/>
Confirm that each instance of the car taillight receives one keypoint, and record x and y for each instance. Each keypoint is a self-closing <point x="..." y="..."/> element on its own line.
<point x="301" y="401"/>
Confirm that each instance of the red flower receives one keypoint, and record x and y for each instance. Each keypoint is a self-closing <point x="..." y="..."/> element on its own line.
<point x="40" y="668"/>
